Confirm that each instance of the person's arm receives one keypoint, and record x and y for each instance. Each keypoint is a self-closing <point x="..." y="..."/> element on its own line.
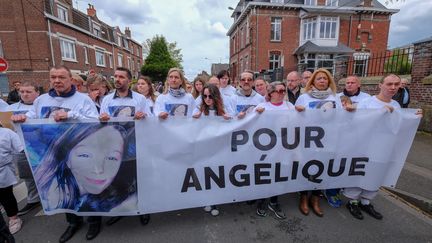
<point x="159" y="107"/>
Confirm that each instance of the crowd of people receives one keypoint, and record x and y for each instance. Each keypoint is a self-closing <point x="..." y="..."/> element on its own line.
<point x="74" y="97"/>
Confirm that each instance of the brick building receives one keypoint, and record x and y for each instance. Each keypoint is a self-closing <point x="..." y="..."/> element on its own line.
<point x="37" y="34"/>
<point x="273" y="35"/>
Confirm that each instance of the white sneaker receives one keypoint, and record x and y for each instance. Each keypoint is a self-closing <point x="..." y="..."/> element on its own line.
<point x="15" y="225"/>
<point x="207" y="208"/>
<point x="214" y="212"/>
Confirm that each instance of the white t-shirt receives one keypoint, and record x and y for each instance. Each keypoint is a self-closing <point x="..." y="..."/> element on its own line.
<point x="374" y="103"/>
<point x="356" y="98"/>
<point x="228" y="90"/>
<point x="3" y="105"/>
<point x="313" y="103"/>
<point x="150" y="104"/>
<point x="77" y="106"/>
<point x="127" y="106"/>
<point x="19" y="108"/>
<point x="174" y="106"/>
<point x="9" y="144"/>
<point x="268" y="106"/>
<point x="247" y="104"/>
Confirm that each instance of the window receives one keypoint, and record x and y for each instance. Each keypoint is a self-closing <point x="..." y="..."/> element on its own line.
<point x="276" y="1"/>
<point x="110" y="60"/>
<point x="120" y="60"/>
<point x="119" y="40"/>
<point x="276" y="27"/>
<point x="274" y="61"/>
<point x="241" y="38"/>
<point x="86" y="56"/>
<point x="332" y="3"/>
<point x="315" y="61"/>
<point x="328" y="27"/>
<point x="246" y="62"/>
<point x="360" y="64"/>
<point x="310" y="2"/>
<point x="125" y="43"/>
<point x="241" y="65"/>
<point x="97" y="29"/>
<point x="1" y="49"/>
<point x="129" y="63"/>
<point x="62" y="13"/>
<point x="67" y="48"/>
<point x="100" y="58"/>
<point x="309" y="27"/>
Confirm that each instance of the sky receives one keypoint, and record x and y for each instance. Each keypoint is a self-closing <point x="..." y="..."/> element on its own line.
<point x="199" y="26"/>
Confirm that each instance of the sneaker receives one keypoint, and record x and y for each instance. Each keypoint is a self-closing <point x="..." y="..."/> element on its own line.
<point x="207" y="208"/>
<point x="369" y="209"/>
<point x="214" y="211"/>
<point x="275" y="208"/>
<point x="15" y="225"/>
<point x="333" y="200"/>
<point x="261" y="209"/>
<point x="354" y="209"/>
<point x="27" y="208"/>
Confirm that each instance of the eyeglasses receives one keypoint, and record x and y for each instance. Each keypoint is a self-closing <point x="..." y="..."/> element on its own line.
<point x="281" y="91"/>
<point x="208" y="96"/>
<point x="306" y="77"/>
<point x="244" y="79"/>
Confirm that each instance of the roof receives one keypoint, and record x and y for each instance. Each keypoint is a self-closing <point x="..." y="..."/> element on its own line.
<point x="423" y="40"/>
<point x="310" y="47"/>
<point x="344" y="7"/>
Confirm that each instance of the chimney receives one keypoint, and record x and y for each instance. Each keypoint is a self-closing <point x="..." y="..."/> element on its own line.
<point x="91" y="11"/>
<point x="128" y="32"/>
<point x="367" y="3"/>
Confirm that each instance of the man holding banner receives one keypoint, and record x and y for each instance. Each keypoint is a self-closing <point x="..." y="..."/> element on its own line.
<point x="360" y="198"/>
<point x="245" y="98"/>
<point x="63" y="103"/>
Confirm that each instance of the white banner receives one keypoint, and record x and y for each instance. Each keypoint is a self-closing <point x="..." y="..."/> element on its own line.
<point x="185" y="162"/>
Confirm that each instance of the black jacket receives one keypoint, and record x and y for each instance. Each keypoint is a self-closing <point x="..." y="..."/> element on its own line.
<point x="399" y="97"/>
<point x="293" y="97"/>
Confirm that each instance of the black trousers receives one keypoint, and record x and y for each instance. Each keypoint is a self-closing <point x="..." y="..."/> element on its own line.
<point x="8" y="200"/>
<point x="5" y="235"/>
<point x="74" y="220"/>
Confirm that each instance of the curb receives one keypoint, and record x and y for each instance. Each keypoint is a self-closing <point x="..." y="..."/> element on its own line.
<point x="420" y="202"/>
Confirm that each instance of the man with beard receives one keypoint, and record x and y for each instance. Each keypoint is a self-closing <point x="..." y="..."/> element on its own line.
<point x="245" y="98"/>
<point x="293" y="86"/>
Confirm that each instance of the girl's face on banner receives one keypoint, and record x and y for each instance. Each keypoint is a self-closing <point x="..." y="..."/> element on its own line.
<point x="95" y="161"/>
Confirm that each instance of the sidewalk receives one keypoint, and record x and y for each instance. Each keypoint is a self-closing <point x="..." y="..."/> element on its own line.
<point x="415" y="182"/>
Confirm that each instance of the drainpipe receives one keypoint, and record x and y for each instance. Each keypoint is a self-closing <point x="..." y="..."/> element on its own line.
<point x="51" y="44"/>
<point x="256" y="44"/>
<point x="349" y="31"/>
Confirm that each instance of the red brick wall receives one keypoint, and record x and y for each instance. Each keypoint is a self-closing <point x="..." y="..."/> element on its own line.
<point x="421" y="68"/>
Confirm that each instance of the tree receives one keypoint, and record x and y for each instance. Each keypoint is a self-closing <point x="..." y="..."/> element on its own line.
<point x="159" y="60"/>
<point x="172" y="49"/>
<point x="399" y="62"/>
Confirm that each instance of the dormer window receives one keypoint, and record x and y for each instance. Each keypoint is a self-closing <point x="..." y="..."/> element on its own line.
<point x="97" y="29"/>
<point x="62" y="13"/>
<point x="332" y="3"/>
<point x="310" y="2"/>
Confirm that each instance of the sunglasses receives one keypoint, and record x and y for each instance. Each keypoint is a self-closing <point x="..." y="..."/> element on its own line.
<point x="208" y="96"/>
<point x="281" y="91"/>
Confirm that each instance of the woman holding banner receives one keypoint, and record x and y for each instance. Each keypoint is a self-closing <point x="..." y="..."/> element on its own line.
<point x="319" y="93"/>
<point x="144" y="86"/>
<point x="174" y="101"/>
<point x="211" y="105"/>
<point x="81" y="172"/>
<point x="275" y="101"/>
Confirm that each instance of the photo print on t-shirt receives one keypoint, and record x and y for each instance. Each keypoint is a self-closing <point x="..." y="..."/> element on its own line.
<point x="245" y="108"/>
<point x="122" y="111"/>
<point x="50" y="111"/>
<point x="322" y="104"/>
<point x="19" y="112"/>
<point x="176" y="109"/>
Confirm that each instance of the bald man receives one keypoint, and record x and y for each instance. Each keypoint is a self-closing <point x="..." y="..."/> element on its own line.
<point x="352" y="90"/>
<point x="293" y="86"/>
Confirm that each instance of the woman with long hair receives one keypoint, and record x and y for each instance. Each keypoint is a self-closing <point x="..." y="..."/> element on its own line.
<point x="144" y="86"/>
<point x="320" y="93"/>
<point x="211" y="103"/>
<point x="175" y="101"/>
<point x="198" y="85"/>
<point x="81" y="172"/>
